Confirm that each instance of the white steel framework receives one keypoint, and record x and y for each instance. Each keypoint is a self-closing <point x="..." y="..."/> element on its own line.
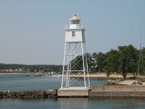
<point x="75" y="62"/>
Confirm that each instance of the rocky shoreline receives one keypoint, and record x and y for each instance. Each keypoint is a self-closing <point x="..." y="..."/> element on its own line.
<point x="29" y="94"/>
<point x="126" y="82"/>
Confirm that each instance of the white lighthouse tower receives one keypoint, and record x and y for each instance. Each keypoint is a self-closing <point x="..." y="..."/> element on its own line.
<point x="75" y="58"/>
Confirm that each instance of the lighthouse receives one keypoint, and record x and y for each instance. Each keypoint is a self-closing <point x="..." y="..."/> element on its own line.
<point x="75" y="57"/>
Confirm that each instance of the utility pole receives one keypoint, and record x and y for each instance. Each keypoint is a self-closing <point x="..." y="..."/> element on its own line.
<point x="140" y="51"/>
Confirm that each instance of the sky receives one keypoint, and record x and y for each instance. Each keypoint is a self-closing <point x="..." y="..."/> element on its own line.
<point x="32" y="31"/>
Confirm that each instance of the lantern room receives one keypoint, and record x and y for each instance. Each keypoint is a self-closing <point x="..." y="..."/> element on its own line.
<point x="74" y="32"/>
<point x="74" y="20"/>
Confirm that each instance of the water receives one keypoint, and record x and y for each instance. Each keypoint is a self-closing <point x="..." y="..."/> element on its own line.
<point x="20" y="82"/>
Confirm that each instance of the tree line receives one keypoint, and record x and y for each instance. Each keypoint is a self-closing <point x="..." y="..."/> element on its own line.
<point x="32" y="68"/>
<point x="123" y="60"/>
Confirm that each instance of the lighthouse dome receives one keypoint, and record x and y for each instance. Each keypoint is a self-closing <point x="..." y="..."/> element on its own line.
<point x="74" y="20"/>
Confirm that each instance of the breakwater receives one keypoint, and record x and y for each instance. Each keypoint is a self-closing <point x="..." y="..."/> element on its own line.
<point x="94" y="92"/>
<point x="29" y="94"/>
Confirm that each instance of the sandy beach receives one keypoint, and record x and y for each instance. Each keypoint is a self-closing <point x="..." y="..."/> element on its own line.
<point x="103" y="75"/>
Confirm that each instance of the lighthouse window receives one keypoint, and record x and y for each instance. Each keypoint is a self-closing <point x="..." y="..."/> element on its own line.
<point x="73" y="33"/>
<point x="74" y="22"/>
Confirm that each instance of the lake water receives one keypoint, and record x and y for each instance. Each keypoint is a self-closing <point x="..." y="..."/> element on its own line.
<point x="19" y="82"/>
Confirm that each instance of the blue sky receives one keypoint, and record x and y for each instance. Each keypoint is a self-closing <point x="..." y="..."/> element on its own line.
<point x="32" y="31"/>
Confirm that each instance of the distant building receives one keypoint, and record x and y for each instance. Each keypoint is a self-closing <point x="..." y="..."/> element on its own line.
<point x="4" y="70"/>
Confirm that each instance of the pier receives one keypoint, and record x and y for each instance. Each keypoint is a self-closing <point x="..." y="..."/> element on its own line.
<point x="111" y="91"/>
<point x="74" y="92"/>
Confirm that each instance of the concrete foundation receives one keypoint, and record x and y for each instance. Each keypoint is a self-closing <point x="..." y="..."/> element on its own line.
<point x="117" y="88"/>
<point x="116" y="94"/>
<point x="73" y="92"/>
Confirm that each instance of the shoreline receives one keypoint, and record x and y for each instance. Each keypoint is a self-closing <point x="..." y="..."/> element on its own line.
<point x="103" y="75"/>
<point x="14" y="73"/>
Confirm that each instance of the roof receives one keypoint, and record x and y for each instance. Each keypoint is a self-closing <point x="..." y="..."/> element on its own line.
<point x="74" y="17"/>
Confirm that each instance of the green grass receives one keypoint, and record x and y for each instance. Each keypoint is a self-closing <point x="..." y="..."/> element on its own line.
<point x="113" y="78"/>
<point x="130" y="78"/>
<point x="140" y="83"/>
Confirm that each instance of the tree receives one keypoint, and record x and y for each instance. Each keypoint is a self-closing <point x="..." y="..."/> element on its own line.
<point x="141" y="62"/>
<point x="77" y="63"/>
<point x="127" y="60"/>
<point x="91" y="63"/>
<point x="122" y="61"/>
<point x="99" y="58"/>
<point x="111" y="61"/>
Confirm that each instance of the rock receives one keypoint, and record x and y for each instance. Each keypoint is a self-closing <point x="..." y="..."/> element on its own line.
<point x="41" y="96"/>
<point x="13" y="93"/>
<point x="38" y="91"/>
<point x="34" y="92"/>
<point x="28" y="93"/>
<point x="9" y="91"/>
<point x="22" y="93"/>
<point x="49" y="96"/>
<point x="4" y="96"/>
<point x="20" y="96"/>
<point x="18" y="93"/>
<point x="5" y="93"/>
<point x="9" y="95"/>
<point x="49" y="92"/>
<point x="36" y="96"/>
<point x="1" y="94"/>
<point x="42" y="93"/>
<point x="54" y="92"/>
<point x="53" y="96"/>
<point x="14" y="97"/>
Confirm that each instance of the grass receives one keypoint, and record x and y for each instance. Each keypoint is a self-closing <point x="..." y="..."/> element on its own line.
<point x="130" y="78"/>
<point x="113" y="78"/>
<point x="139" y="83"/>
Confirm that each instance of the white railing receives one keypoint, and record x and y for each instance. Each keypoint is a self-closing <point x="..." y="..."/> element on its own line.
<point x="74" y="26"/>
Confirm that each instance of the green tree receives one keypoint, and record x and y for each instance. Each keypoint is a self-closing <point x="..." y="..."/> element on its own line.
<point x="127" y="60"/>
<point x="111" y="61"/>
<point x="122" y="61"/>
<point x="141" y="62"/>
<point x="77" y="63"/>
<point x="99" y="58"/>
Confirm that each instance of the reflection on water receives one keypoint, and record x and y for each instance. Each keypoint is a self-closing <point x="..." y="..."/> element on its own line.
<point x="118" y="103"/>
<point x="72" y="103"/>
